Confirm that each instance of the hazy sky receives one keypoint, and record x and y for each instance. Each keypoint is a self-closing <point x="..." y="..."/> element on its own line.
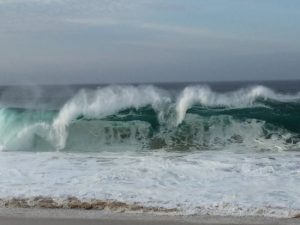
<point x="84" y="41"/>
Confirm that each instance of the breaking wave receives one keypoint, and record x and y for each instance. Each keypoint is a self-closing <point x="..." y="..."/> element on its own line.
<point x="148" y="117"/>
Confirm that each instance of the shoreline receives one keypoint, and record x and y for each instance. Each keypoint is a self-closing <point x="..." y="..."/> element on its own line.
<point x="32" y="216"/>
<point x="114" y="206"/>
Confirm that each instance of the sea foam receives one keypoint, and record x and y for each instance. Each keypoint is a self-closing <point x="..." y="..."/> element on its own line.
<point x="150" y="117"/>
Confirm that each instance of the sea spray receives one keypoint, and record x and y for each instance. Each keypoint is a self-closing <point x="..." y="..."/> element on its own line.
<point x="172" y="149"/>
<point x="148" y="117"/>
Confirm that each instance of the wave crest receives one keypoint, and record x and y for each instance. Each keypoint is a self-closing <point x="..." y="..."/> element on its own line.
<point x="164" y="123"/>
<point x="242" y="98"/>
<point x="107" y="101"/>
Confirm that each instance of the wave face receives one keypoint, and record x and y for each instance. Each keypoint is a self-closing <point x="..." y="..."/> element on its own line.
<point x="148" y="117"/>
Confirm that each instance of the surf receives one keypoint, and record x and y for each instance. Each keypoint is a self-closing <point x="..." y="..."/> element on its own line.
<point x="149" y="117"/>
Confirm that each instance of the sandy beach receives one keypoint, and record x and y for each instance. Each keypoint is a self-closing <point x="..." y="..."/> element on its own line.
<point x="155" y="112"/>
<point x="91" y="217"/>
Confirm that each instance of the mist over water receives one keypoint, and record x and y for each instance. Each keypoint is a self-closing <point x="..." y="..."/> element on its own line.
<point x="179" y="137"/>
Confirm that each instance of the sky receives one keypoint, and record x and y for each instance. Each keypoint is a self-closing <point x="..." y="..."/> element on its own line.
<point x="138" y="41"/>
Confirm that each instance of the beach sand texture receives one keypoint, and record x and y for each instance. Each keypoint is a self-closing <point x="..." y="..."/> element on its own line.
<point x="93" y="217"/>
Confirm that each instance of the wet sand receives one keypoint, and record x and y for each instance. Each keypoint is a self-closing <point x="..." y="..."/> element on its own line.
<point x="93" y="217"/>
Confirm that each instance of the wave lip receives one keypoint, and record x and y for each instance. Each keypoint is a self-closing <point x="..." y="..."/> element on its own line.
<point x="141" y="114"/>
<point x="104" y="102"/>
<point x="242" y="98"/>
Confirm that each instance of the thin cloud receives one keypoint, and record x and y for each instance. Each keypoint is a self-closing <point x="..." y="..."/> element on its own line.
<point x="93" y="21"/>
<point x="29" y="1"/>
<point x="192" y="31"/>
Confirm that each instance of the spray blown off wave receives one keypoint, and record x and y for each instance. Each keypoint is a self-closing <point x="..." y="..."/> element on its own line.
<point x="148" y="117"/>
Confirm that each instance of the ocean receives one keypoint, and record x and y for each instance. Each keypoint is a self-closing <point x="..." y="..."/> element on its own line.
<point x="223" y="148"/>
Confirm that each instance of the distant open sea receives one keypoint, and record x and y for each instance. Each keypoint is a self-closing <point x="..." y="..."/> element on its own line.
<point x="224" y="148"/>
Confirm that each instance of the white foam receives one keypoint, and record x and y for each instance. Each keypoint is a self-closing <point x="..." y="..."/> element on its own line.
<point x="245" y="97"/>
<point x="214" y="182"/>
<point x="19" y="131"/>
<point x="106" y="101"/>
<point x="219" y="132"/>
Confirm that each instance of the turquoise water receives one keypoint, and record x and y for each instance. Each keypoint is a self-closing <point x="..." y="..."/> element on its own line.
<point x="226" y="149"/>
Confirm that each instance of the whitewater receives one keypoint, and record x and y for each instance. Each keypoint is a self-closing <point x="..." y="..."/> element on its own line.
<point x="185" y="149"/>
